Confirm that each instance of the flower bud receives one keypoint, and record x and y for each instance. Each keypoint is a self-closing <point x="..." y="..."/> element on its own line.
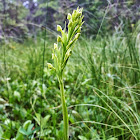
<point x="74" y="15"/>
<point x="70" y="24"/>
<point x="69" y="16"/>
<point x="68" y="53"/>
<point x="78" y="14"/>
<point x="59" y="28"/>
<point x="50" y="66"/>
<point x="59" y="38"/>
<point x="77" y="35"/>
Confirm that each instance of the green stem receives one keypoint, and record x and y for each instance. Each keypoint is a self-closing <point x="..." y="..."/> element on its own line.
<point x="64" y="109"/>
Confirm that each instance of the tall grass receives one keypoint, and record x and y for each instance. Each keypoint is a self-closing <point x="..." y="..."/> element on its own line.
<point x="102" y="80"/>
<point x="109" y="76"/>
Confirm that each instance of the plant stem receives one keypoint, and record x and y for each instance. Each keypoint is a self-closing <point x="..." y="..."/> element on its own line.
<point x="64" y="109"/>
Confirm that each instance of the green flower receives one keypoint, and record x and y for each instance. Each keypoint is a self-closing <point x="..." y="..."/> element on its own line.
<point x="66" y="41"/>
<point x="61" y="53"/>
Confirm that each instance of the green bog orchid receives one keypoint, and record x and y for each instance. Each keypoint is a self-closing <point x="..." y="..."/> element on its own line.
<point x="61" y="53"/>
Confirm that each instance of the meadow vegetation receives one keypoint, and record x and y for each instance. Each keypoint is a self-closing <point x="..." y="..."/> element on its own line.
<point x="102" y="85"/>
<point x="101" y="82"/>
